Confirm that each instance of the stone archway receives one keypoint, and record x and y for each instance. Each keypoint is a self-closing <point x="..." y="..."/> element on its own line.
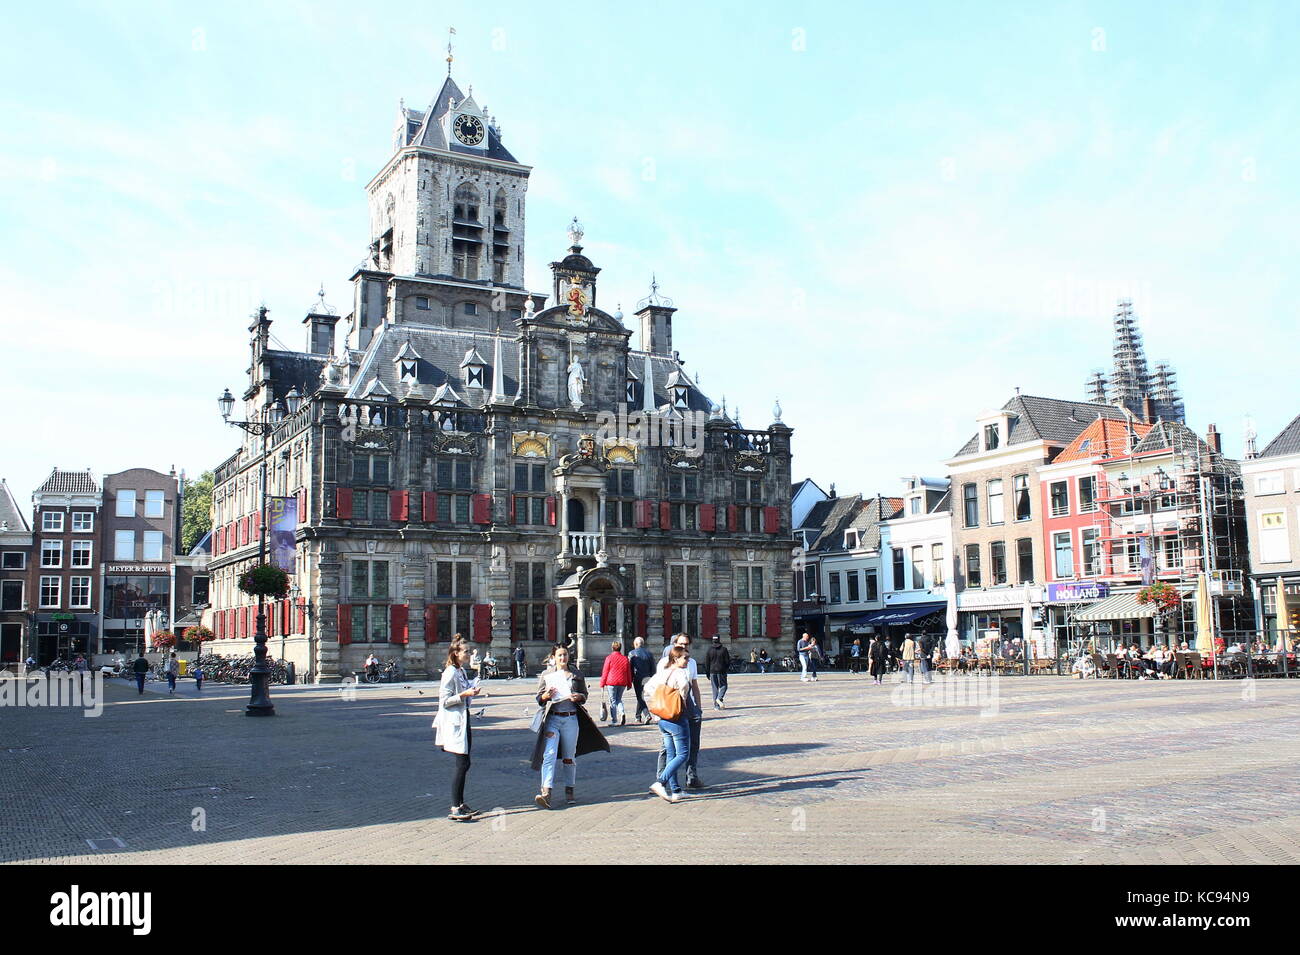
<point x="598" y="586"/>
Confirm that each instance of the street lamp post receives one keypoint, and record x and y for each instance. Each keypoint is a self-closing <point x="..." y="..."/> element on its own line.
<point x="259" y="703"/>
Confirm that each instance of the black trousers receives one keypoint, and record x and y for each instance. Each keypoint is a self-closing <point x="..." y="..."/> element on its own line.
<point x="640" y="697"/>
<point x="462" y="767"/>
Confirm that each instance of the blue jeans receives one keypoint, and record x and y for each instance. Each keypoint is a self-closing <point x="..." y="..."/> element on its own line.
<point x="677" y="748"/>
<point x="139" y="682"/>
<point x="561" y="739"/>
<point x="615" y="694"/>
<point x="694" y="721"/>
<point x="718" y="681"/>
<point x="171" y="682"/>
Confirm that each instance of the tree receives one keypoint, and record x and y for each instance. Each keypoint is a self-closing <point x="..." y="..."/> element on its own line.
<point x="196" y="515"/>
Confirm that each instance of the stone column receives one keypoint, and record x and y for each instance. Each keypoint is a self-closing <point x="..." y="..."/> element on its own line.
<point x="619" y="621"/>
<point x="584" y="606"/>
<point x="564" y="523"/>
<point x="602" y="520"/>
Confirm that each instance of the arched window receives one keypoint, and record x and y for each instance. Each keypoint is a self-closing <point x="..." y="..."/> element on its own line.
<point x="500" y="237"/>
<point x="466" y="232"/>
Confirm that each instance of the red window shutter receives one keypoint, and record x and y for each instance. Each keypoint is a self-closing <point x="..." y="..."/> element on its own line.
<point x="302" y="506"/>
<point x="398" y="505"/>
<point x="285" y="620"/>
<point x="481" y="509"/>
<point x="513" y="519"/>
<point x="708" y="517"/>
<point x="773" y="620"/>
<point x="641" y="615"/>
<point x="665" y="515"/>
<point x="345" y="624"/>
<point x="668" y="622"/>
<point x="429" y="506"/>
<point x="551" y="512"/>
<point x="735" y="622"/>
<point x="430" y="623"/>
<point x="552" y="622"/>
<point x="642" y="513"/>
<point x="270" y="619"/>
<point x="482" y="623"/>
<point x="771" y="520"/>
<point x="397" y="631"/>
<point x="255" y="533"/>
<point x="302" y="616"/>
<point x="708" y="621"/>
<point x="343" y="503"/>
<point x="733" y="517"/>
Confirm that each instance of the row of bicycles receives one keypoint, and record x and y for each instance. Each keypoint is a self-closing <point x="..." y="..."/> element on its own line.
<point x="236" y="669"/>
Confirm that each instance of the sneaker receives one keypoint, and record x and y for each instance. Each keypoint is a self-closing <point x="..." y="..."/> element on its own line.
<point x="721" y="705"/>
<point x="458" y="814"/>
<point x="694" y="783"/>
<point x="543" y="799"/>
<point x="675" y="797"/>
<point x="657" y="788"/>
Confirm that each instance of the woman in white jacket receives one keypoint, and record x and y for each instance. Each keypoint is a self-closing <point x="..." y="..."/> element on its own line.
<point x="451" y="725"/>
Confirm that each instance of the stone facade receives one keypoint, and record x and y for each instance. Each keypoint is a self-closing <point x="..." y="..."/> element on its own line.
<point x="471" y="461"/>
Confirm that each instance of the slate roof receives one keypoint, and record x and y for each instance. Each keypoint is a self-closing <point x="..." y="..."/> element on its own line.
<point x="817" y="514"/>
<point x="868" y="518"/>
<point x="1171" y="435"/>
<point x="1104" y="438"/>
<point x="839" y="518"/>
<point x="429" y="132"/>
<point x="442" y="352"/>
<point x="1287" y="442"/>
<point x="1047" y="419"/>
<point x="68" y="482"/>
<point x="10" y="512"/>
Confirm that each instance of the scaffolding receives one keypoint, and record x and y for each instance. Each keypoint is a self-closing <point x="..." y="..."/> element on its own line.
<point x="1194" y="518"/>
<point x="1146" y="392"/>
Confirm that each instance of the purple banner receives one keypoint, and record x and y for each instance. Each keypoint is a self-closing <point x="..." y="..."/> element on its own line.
<point x="1076" y="591"/>
<point x="283" y="522"/>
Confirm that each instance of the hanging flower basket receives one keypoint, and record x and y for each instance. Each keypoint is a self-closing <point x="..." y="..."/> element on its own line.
<point x="164" y="639"/>
<point x="197" y="634"/>
<point x="1165" y="596"/>
<point x="264" y="581"/>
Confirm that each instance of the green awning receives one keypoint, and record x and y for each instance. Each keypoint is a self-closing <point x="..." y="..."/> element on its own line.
<point x="1117" y="607"/>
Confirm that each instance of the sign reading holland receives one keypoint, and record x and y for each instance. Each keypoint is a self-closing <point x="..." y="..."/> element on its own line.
<point x="1077" y="590"/>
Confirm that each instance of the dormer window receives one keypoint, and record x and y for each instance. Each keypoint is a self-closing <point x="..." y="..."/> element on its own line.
<point x="405" y="362"/>
<point x="681" y="393"/>
<point x="406" y="370"/>
<point x="850" y="540"/>
<point x="474" y="368"/>
<point x="631" y="391"/>
<point x="914" y="505"/>
<point x="470" y="308"/>
<point x="990" y="437"/>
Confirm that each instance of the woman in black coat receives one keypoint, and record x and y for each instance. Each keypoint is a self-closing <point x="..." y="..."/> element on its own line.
<point x="878" y="658"/>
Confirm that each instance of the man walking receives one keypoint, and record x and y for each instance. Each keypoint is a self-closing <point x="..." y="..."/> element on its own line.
<point x="909" y="658"/>
<point x="173" y="671"/>
<point x="924" y="648"/>
<point x="717" y="663"/>
<point x="695" y="717"/>
<point x="642" y="662"/>
<point x="520" y="660"/>
<point x="141" y="669"/>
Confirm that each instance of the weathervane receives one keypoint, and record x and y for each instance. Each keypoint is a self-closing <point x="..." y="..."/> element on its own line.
<point x="451" y="32"/>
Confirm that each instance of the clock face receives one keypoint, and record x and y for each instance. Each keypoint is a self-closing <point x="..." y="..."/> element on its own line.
<point x="468" y="129"/>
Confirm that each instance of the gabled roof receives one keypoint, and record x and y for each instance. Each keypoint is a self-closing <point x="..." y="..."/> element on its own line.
<point x="1104" y="438"/>
<point x="799" y="486"/>
<point x="1047" y="419"/>
<point x="1287" y="442"/>
<point x="1171" y="435"/>
<point x="10" y="512"/>
<point x="68" y="482"/>
<point x="839" y="519"/>
<point x="817" y="514"/>
<point x="430" y="132"/>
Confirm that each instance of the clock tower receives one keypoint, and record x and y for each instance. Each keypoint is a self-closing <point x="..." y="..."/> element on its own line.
<point x="448" y="206"/>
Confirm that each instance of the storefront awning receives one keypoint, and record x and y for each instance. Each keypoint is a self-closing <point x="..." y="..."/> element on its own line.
<point x="1117" y="607"/>
<point x="899" y="615"/>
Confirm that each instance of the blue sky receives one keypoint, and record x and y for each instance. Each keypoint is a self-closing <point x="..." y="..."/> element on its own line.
<point x="889" y="216"/>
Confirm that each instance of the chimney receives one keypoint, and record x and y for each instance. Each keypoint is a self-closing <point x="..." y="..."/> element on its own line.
<point x="656" y="328"/>
<point x="832" y="489"/>
<point x="1214" y="439"/>
<point x="320" y="333"/>
<point x="1148" y="411"/>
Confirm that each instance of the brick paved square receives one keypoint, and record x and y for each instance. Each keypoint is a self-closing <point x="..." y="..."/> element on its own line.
<point x="1061" y="772"/>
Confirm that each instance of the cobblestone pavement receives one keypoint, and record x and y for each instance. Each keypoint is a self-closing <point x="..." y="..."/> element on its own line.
<point x="1057" y="772"/>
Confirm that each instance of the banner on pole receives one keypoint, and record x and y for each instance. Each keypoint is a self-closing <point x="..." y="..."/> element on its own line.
<point x="283" y="520"/>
